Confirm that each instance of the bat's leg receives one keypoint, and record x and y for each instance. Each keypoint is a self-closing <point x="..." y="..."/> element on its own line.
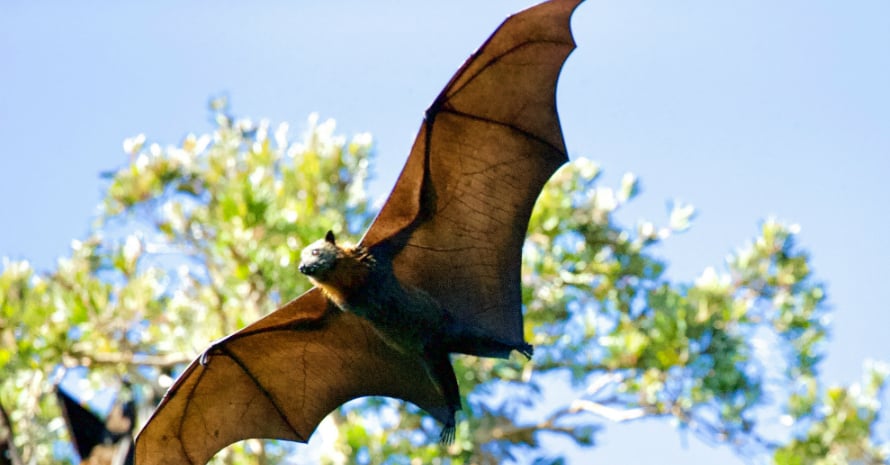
<point x="439" y="367"/>
<point x="469" y="340"/>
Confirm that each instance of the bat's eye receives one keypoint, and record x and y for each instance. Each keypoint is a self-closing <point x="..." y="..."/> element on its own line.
<point x="315" y="252"/>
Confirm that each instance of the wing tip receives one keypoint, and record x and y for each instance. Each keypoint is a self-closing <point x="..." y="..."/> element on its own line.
<point x="558" y="14"/>
<point x="561" y="9"/>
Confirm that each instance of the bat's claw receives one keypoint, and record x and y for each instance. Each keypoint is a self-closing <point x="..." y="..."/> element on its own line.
<point x="204" y="359"/>
<point x="446" y="437"/>
<point x="526" y="349"/>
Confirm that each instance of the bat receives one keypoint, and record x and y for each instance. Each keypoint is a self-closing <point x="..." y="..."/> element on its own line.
<point x="437" y="272"/>
<point x="98" y="442"/>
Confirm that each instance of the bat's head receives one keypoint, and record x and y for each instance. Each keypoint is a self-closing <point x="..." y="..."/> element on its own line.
<point x="320" y="257"/>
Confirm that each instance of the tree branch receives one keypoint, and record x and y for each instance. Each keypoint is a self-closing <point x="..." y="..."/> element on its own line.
<point x="116" y="358"/>
<point x="8" y="453"/>
<point x="610" y="413"/>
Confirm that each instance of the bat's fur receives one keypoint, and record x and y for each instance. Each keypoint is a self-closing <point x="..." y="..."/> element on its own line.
<point x="408" y="319"/>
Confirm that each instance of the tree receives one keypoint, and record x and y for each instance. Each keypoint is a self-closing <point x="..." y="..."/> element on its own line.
<point x="199" y="239"/>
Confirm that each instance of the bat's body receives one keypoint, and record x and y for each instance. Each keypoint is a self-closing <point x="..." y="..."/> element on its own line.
<point x="407" y="318"/>
<point x="436" y="273"/>
<point x="354" y="280"/>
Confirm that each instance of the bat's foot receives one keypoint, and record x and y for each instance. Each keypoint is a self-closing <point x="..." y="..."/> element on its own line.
<point x="446" y="437"/>
<point x="469" y="340"/>
<point x="526" y="349"/>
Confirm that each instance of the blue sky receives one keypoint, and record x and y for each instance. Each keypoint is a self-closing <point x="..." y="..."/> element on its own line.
<point x="744" y="109"/>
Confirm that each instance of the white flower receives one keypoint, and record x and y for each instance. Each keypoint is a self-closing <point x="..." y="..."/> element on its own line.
<point x="281" y="135"/>
<point x="629" y="186"/>
<point x="133" y="145"/>
<point x="681" y="215"/>
<point x="262" y="131"/>
<point x="182" y="157"/>
<point x="363" y="139"/>
<point x="604" y="199"/>
<point x="711" y="279"/>
<point x="132" y="248"/>
<point x="142" y="161"/>
<point x="257" y="176"/>
<point x="289" y="214"/>
<point x="587" y="168"/>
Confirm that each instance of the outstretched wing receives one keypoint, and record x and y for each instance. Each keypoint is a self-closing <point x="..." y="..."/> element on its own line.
<point x="277" y="379"/>
<point x="453" y="226"/>
<point x="97" y="441"/>
<point x="456" y="220"/>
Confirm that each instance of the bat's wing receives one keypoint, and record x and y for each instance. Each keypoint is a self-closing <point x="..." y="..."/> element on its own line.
<point x="454" y="226"/>
<point x="457" y="218"/>
<point x="97" y="441"/>
<point x="277" y="379"/>
<point x="86" y="429"/>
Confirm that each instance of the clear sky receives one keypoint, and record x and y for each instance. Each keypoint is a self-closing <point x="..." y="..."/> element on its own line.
<point x="744" y="109"/>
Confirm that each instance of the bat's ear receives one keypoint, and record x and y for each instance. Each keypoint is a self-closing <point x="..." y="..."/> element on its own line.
<point x="329" y="237"/>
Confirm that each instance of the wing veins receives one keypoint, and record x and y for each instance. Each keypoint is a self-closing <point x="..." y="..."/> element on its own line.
<point x="443" y="249"/>
<point x="182" y="447"/>
<point x="522" y="132"/>
<point x="262" y="389"/>
<point x="484" y="67"/>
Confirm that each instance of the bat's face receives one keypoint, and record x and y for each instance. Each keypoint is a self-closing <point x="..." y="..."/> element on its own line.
<point x="319" y="258"/>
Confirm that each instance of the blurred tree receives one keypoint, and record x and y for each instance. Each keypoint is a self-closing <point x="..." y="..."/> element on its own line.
<point x="199" y="239"/>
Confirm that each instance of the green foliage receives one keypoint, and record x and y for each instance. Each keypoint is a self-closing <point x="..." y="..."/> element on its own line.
<point x="843" y="431"/>
<point x="199" y="239"/>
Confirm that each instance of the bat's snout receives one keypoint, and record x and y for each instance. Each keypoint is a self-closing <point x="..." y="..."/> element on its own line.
<point x="309" y="269"/>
